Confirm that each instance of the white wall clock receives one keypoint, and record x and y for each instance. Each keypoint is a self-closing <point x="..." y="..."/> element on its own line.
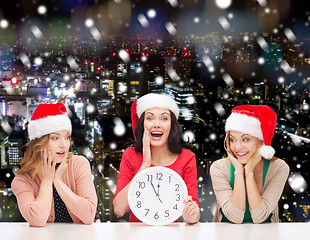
<point x="156" y="195"/>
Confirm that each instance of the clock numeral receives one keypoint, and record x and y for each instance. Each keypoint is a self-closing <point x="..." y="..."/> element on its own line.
<point x="138" y="194"/>
<point x="147" y="211"/>
<point x="159" y="176"/>
<point x="139" y="205"/>
<point x="142" y="185"/>
<point x="149" y="178"/>
<point x="167" y="213"/>
<point x="178" y="197"/>
<point x="177" y="187"/>
<point x="156" y="216"/>
<point x="175" y="207"/>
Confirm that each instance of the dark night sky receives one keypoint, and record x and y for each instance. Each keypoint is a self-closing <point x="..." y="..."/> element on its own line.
<point x="15" y="10"/>
<point x="121" y="16"/>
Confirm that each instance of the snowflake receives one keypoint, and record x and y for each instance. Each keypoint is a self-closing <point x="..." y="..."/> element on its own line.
<point x="38" y="61"/>
<point x="228" y="80"/>
<point x="89" y="22"/>
<point x="42" y="9"/>
<point x="170" y="28"/>
<point x="262" y="43"/>
<point x="151" y="13"/>
<point x="212" y="136"/>
<point x="190" y="100"/>
<point x="90" y="108"/>
<point x="4" y="23"/>
<point x="159" y="80"/>
<point x="36" y="32"/>
<point x="113" y="146"/>
<point x="208" y="63"/>
<point x="119" y="129"/>
<point x="297" y="182"/>
<point x="261" y="60"/>
<point x="224" y="23"/>
<point x="219" y="109"/>
<point x="173" y="3"/>
<point x="124" y="55"/>
<point x="223" y="4"/>
<point x="188" y="136"/>
<point x="143" y="20"/>
<point x="289" y="34"/>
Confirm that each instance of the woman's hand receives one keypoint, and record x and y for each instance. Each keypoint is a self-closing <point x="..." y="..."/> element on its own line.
<point x="60" y="171"/>
<point x="234" y="161"/>
<point x="250" y="166"/>
<point x="146" y="151"/>
<point x="191" y="213"/>
<point x="47" y="169"/>
<point x="46" y="174"/>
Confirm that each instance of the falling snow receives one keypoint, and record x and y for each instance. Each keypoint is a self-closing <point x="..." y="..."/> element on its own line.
<point x="214" y="59"/>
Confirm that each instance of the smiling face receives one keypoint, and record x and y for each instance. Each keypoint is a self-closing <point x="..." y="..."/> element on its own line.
<point x="158" y="122"/>
<point x="59" y="144"/>
<point x="243" y="146"/>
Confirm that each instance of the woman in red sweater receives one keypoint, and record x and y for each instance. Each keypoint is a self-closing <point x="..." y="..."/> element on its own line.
<point x="53" y="185"/>
<point x="155" y="126"/>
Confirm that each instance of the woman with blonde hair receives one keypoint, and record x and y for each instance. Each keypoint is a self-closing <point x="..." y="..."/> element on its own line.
<point x="249" y="182"/>
<point x="53" y="185"/>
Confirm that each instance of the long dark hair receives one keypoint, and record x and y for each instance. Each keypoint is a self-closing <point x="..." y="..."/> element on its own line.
<point x="173" y="138"/>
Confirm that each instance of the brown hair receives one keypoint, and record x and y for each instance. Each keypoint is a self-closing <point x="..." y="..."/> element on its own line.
<point x="32" y="160"/>
<point x="173" y="138"/>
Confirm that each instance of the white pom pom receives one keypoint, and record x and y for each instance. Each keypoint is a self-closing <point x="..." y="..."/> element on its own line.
<point x="267" y="152"/>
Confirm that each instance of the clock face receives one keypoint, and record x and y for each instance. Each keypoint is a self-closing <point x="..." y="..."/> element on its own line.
<point x="156" y="195"/>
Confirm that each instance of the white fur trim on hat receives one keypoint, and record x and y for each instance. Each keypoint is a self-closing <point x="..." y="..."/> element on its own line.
<point x="43" y="126"/>
<point x="153" y="100"/>
<point x="245" y="124"/>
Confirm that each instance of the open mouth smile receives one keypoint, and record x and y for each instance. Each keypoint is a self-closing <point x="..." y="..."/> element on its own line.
<point x="156" y="135"/>
<point x="61" y="154"/>
<point x="241" y="154"/>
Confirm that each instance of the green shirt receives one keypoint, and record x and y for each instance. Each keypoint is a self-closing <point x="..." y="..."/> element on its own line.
<point x="247" y="215"/>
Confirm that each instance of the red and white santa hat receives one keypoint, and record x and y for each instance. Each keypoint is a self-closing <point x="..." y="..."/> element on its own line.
<point x="149" y="101"/>
<point x="256" y="120"/>
<point x="48" y="118"/>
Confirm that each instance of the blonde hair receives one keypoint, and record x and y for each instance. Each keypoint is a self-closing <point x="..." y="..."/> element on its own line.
<point x="227" y="148"/>
<point x="32" y="160"/>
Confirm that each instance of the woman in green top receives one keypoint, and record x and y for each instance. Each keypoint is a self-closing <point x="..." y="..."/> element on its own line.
<point x="250" y="181"/>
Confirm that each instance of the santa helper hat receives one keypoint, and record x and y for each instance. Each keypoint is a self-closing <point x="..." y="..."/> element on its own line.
<point x="256" y="120"/>
<point x="149" y="101"/>
<point x="48" y="118"/>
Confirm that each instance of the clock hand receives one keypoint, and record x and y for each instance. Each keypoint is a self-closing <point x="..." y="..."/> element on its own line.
<point x="158" y="188"/>
<point x="155" y="192"/>
<point x="154" y="189"/>
<point x="158" y="192"/>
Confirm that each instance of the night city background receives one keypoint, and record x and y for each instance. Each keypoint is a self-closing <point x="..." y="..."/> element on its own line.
<point x="98" y="56"/>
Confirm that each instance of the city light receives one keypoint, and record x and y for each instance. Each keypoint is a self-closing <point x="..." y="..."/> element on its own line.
<point x="14" y="80"/>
